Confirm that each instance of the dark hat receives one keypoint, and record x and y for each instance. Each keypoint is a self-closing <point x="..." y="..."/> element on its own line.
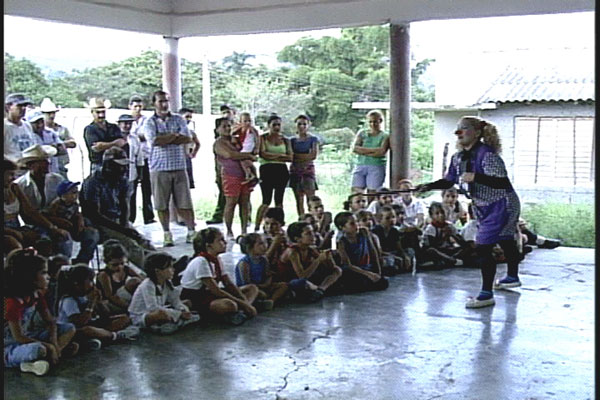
<point x="115" y="154"/>
<point x="17" y="98"/>
<point x="65" y="187"/>
<point x="125" y="118"/>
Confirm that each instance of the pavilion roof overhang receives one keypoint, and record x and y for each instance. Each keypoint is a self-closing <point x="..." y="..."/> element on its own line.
<point x="184" y="18"/>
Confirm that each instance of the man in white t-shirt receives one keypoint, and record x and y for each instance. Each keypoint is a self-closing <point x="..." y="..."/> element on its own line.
<point x="17" y="133"/>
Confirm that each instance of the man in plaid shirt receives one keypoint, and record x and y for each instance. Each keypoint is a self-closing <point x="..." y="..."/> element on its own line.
<point x="167" y="134"/>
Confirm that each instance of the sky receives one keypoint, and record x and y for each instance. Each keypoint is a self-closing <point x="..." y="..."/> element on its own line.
<point x="429" y="39"/>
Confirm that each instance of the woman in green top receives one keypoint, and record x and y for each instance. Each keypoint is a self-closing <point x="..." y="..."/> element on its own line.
<point x="371" y="148"/>
<point x="275" y="151"/>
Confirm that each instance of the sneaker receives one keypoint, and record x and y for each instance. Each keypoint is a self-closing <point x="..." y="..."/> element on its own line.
<point x="474" y="302"/>
<point x="194" y="318"/>
<point x="214" y="221"/>
<point x="507" y="283"/>
<point x="235" y="319"/>
<point x="459" y="263"/>
<point x="93" y="344"/>
<point x="549" y="244"/>
<point x="315" y="295"/>
<point x="191" y="235"/>
<point x="129" y="333"/>
<point x="40" y="367"/>
<point x="151" y="221"/>
<point x="165" y="329"/>
<point x="263" y="305"/>
<point x="168" y="240"/>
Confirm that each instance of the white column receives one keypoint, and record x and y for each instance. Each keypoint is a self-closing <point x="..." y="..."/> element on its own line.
<point x="171" y="72"/>
<point x="206" y="105"/>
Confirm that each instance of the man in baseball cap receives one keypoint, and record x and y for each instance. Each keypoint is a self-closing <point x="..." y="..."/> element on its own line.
<point x="17" y="133"/>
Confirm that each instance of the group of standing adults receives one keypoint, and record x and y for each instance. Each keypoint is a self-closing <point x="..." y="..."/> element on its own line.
<point x="273" y="151"/>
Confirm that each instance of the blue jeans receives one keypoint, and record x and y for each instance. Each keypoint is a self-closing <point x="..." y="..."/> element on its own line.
<point x="15" y="353"/>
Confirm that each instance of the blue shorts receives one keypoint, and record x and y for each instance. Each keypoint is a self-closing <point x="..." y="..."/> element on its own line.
<point x="368" y="176"/>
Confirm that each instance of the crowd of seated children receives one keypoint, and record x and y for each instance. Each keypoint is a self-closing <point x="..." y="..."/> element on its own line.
<point x="209" y="289"/>
<point x="253" y="268"/>
<point x="80" y="303"/>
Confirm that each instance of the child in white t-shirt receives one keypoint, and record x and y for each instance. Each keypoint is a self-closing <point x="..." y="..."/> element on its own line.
<point x="209" y="288"/>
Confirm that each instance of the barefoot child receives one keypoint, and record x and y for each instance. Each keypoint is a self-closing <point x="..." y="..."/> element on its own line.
<point x="209" y="289"/>
<point x="27" y="346"/>
<point x="156" y="304"/>
<point x="254" y="268"/>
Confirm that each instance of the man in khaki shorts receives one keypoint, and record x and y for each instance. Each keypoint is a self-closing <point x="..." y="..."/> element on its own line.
<point x="167" y="134"/>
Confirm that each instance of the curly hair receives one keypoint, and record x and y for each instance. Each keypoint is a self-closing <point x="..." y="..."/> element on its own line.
<point x="486" y="132"/>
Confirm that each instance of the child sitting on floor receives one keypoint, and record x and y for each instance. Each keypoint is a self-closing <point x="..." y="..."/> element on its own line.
<point x="254" y="268"/>
<point x="384" y="198"/>
<point x="156" y="304"/>
<point x="361" y="270"/>
<point x="441" y="242"/>
<point x="80" y="303"/>
<point x="308" y="271"/>
<point x="209" y="288"/>
<point x="453" y="207"/>
<point x="274" y="235"/>
<point x="117" y="281"/>
<point x="55" y="263"/>
<point x="395" y="259"/>
<point x="27" y="346"/>
<point x="323" y="220"/>
<point x="366" y="220"/>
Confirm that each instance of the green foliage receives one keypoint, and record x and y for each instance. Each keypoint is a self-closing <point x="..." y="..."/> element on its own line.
<point x="573" y="224"/>
<point x="23" y="76"/>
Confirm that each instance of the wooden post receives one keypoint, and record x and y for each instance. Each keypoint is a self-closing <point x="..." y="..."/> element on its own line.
<point x="399" y="102"/>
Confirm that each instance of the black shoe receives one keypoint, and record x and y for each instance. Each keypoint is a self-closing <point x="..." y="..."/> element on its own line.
<point x="214" y="221"/>
<point x="151" y="221"/>
<point x="549" y="244"/>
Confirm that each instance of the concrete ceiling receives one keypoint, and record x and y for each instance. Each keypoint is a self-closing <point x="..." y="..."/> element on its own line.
<point x="184" y="18"/>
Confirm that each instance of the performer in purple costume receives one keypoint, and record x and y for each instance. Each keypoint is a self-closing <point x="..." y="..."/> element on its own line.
<point x="479" y="169"/>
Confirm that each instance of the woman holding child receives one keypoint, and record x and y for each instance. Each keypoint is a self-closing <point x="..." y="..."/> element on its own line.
<point x="235" y="186"/>
<point x="478" y="165"/>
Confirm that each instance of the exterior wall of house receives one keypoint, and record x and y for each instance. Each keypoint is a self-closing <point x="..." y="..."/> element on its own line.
<point x="504" y="118"/>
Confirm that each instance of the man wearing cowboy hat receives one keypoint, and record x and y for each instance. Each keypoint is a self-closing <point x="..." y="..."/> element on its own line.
<point x="104" y="201"/>
<point x="100" y="135"/>
<point x="44" y="136"/>
<point x="17" y="133"/>
<point x="39" y="186"/>
<point x="49" y="109"/>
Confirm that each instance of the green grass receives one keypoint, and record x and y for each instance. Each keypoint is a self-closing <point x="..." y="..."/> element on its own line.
<point x="572" y="224"/>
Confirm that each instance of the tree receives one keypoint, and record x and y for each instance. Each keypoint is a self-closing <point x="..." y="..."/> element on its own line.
<point x="23" y="76"/>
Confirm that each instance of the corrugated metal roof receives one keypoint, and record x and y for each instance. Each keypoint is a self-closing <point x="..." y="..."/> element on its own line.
<point x="565" y="78"/>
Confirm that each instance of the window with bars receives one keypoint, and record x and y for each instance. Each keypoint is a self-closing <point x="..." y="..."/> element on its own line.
<point x="554" y="151"/>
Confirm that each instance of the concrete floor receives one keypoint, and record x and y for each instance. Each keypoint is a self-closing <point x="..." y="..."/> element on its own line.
<point x="414" y="341"/>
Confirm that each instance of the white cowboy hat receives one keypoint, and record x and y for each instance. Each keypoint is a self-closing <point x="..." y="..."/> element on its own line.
<point x="35" y="153"/>
<point x="47" y="106"/>
<point x="98" y="103"/>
